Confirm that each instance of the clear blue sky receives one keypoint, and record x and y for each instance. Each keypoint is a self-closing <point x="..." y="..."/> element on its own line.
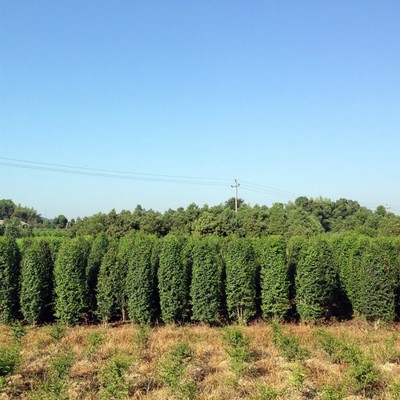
<point x="302" y="98"/>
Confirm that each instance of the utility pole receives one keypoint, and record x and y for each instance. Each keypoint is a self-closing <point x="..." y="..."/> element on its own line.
<point x="236" y="185"/>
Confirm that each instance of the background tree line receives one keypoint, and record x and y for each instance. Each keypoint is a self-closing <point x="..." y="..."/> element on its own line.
<point x="303" y="217"/>
<point x="211" y="279"/>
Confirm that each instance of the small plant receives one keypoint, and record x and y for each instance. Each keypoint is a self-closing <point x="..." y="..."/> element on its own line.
<point x="332" y="393"/>
<point x="266" y="392"/>
<point x="142" y="337"/>
<point x="113" y="379"/>
<point x="288" y="345"/>
<point x="55" y="385"/>
<point x="394" y="390"/>
<point x="391" y="354"/>
<point x="173" y="369"/>
<point x="57" y="331"/>
<point x="237" y="346"/>
<point x="9" y="360"/>
<point x="17" y="331"/>
<point x="366" y="378"/>
<point x="338" y="350"/>
<point x="298" y="377"/>
<point x="95" y="339"/>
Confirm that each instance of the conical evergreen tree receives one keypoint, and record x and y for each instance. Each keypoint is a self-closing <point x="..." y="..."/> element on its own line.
<point x="173" y="280"/>
<point x="37" y="283"/>
<point x="71" y="305"/>
<point x="9" y="279"/>
<point x="241" y="275"/>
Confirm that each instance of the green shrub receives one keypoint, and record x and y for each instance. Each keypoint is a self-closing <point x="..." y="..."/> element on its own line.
<point x="275" y="278"/>
<point x="241" y="275"/>
<point x="206" y="286"/>
<point x="173" y="280"/>
<point x="9" y="279"/>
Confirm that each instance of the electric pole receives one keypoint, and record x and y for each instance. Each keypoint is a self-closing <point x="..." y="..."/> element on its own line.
<point x="236" y="185"/>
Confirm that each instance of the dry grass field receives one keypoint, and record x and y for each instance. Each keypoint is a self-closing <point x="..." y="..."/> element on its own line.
<point x="350" y="360"/>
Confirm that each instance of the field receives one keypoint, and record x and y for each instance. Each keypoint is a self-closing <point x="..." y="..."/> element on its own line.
<point x="352" y="360"/>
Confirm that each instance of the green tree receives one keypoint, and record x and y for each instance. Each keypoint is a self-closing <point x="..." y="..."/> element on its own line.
<point x="7" y="207"/>
<point x="9" y="279"/>
<point x="37" y="283"/>
<point x="60" y="221"/>
<point x="207" y="286"/>
<point x="241" y="276"/>
<point x="141" y="258"/>
<point x="111" y="292"/>
<point x="316" y="280"/>
<point x="71" y="305"/>
<point x="97" y="252"/>
<point x="275" y="277"/>
<point x="173" y="280"/>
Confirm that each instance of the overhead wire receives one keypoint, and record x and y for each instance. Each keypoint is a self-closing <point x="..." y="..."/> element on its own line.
<point x="113" y="174"/>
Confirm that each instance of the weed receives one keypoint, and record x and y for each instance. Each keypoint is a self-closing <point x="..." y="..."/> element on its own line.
<point x="113" y="379"/>
<point x="288" y="345"/>
<point x="172" y="372"/>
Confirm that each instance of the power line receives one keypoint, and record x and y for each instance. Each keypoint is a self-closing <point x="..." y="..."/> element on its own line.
<point x="74" y="167"/>
<point x="126" y="176"/>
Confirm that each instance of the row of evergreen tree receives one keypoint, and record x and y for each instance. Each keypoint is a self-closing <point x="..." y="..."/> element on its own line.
<point x="210" y="279"/>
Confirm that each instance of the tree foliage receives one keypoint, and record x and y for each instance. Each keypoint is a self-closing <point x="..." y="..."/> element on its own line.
<point x="37" y="283"/>
<point x="275" y="278"/>
<point x="207" y="286"/>
<point x="316" y="280"/>
<point x="241" y="279"/>
<point x="173" y="280"/>
<point x="71" y="304"/>
<point x="141" y="258"/>
<point x="9" y="279"/>
<point x="111" y="291"/>
<point x="97" y="252"/>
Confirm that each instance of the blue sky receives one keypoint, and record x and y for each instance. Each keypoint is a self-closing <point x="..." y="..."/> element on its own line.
<point x="296" y="98"/>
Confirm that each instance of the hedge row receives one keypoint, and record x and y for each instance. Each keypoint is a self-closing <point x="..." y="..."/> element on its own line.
<point x="212" y="280"/>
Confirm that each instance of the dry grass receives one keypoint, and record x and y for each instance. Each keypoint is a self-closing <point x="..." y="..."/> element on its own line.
<point x="268" y="376"/>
